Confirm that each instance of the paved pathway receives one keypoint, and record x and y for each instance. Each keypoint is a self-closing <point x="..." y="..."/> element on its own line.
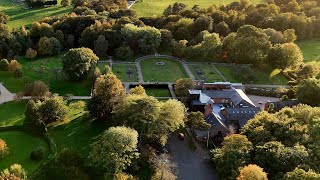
<point x="190" y="166"/>
<point x="173" y="94"/>
<point x="5" y="95"/>
<point x="130" y="4"/>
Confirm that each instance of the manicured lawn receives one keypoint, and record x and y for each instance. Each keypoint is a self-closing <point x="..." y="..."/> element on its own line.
<point x="205" y="72"/>
<point x="169" y="72"/>
<point x="156" y="7"/>
<point x="121" y="71"/>
<point x="156" y="92"/>
<point x="21" y="16"/>
<point x="12" y="113"/>
<point x="20" y="146"/>
<point x="310" y="50"/>
<point x="49" y="71"/>
<point x="262" y="77"/>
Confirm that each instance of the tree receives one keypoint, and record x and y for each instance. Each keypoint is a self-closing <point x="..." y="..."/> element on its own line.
<point x="163" y="167"/>
<point x="252" y="171"/>
<point x="300" y="174"/>
<point x="65" y="3"/>
<point x="248" y="45"/>
<point x="107" y="70"/>
<point x="4" y="150"/>
<point x="3" y="18"/>
<point x="223" y="29"/>
<point x="309" y="71"/>
<point x="166" y="37"/>
<point x="31" y="54"/>
<point x="37" y="89"/>
<point x="49" y="46"/>
<point x="76" y="63"/>
<point x="14" y="172"/>
<point x="18" y="73"/>
<point x="287" y="55"/>
<point x="52" y="109"/>
<point x="4" y="65"/>
<point x="308" y="92"/>
<point x="115" y="150"/>
<point x="101" y="46"/>
<point x="14" y="65"/>
<point x="234" y="153"/>
<point x="108" y="91"/>
<point x="138" y="90"/>
<point x="182" y="86"/>
<point x="124" y="53"/>
<point x="196" y="121"/>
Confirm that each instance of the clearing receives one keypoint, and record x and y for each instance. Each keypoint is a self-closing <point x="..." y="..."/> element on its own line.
<point x="310" y="50"/>
<point x="12" y="113"/>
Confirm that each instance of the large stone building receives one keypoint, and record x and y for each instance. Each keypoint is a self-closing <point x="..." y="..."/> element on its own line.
<point x="225" y="107"/>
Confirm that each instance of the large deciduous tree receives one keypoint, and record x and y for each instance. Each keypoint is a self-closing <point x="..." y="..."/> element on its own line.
<point x="248" y="45"/>
<point x="251" y="172"/>
<point x="234" y="153"/>
<point x="309" y="92"/>
<point x="115" y="150"/>
<point x="77" y="63"/>
<point x="284" y="56"/>
<point x="182" y="86"/>
<point x="108" y="91"/>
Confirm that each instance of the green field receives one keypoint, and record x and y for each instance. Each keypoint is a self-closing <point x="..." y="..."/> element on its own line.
<point x="12" y="113"/>
<point x="261" y="77"/>
<point x="20" y="146"/>
<point x="169" y="72"/>
<point x="310" y="50"/>
<point x="121" y="71"/>
<point x="156" y="7"/>
<point x="47" y="70"/>
<point x="156" y="92"/>
<point x="205" y="72"/>
<point x="21" y="16"/>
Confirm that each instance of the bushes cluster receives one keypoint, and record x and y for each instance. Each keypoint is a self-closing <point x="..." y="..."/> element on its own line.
<point x="4" y="150"/>
<point x="37" y="154"/>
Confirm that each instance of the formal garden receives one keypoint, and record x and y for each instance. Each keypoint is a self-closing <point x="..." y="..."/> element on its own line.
<point x="126" y="72"/>
<point x="206" y="72"/>
<point x="162" y="70"/>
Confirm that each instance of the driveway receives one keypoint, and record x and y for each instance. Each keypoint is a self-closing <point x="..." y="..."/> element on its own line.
<point x="189" y="165"/>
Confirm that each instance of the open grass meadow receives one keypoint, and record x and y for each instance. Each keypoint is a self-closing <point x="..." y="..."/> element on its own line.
<point x="12" y="113"/>
<point x="20" y="146"/>
<point x="310" y="50"/>
<point x="156" y="7"/>
<point x="49" y="71"/>
<point x="169" y="72"/>
<point x="20" y="15"/>
<point x="262" y="77"/>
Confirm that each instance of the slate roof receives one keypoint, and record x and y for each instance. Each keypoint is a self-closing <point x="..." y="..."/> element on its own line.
<point x="278" y="105"/>
<point x="237" y="96"/>
<point x="242" y="114"/>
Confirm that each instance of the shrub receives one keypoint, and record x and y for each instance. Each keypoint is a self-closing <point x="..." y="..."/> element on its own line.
<point x="4" y="65"/>
<point x="37" y="154"/>
<point x="4" y="150"/>
<point x="36" y="89"/>
<point x="14" y="172"/>
<point x="31" y="54"/>
<point x="18" y="73"/>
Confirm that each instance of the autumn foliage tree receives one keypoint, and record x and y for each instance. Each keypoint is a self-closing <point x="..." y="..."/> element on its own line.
<point x="31" y="54"/>
<point x="108" y="91"/>
<point x="4" y="150"/>
<point x="115" y="150"/>
<point x="251" y="172"/>
<point x="77" y="62"/>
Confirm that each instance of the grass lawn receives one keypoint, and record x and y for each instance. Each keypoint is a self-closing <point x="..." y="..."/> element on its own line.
<point x="121" y="71"/>
<point x="169" y="72"/>
<point x="47" y="70"/>
<point x="20" y="16"/>
<point x="12" y="113"/>
<point x="156" y="92"/>
<point x="310" y="50"/>
<point x="77" y="131"/>
<point x="205" y="72"/>
<point x="20" y="146"/>
<point x="156" y="7"/>
<point x="262" y="77"/>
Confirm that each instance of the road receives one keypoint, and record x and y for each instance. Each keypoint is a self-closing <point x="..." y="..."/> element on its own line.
<point x="189" y="165"/>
